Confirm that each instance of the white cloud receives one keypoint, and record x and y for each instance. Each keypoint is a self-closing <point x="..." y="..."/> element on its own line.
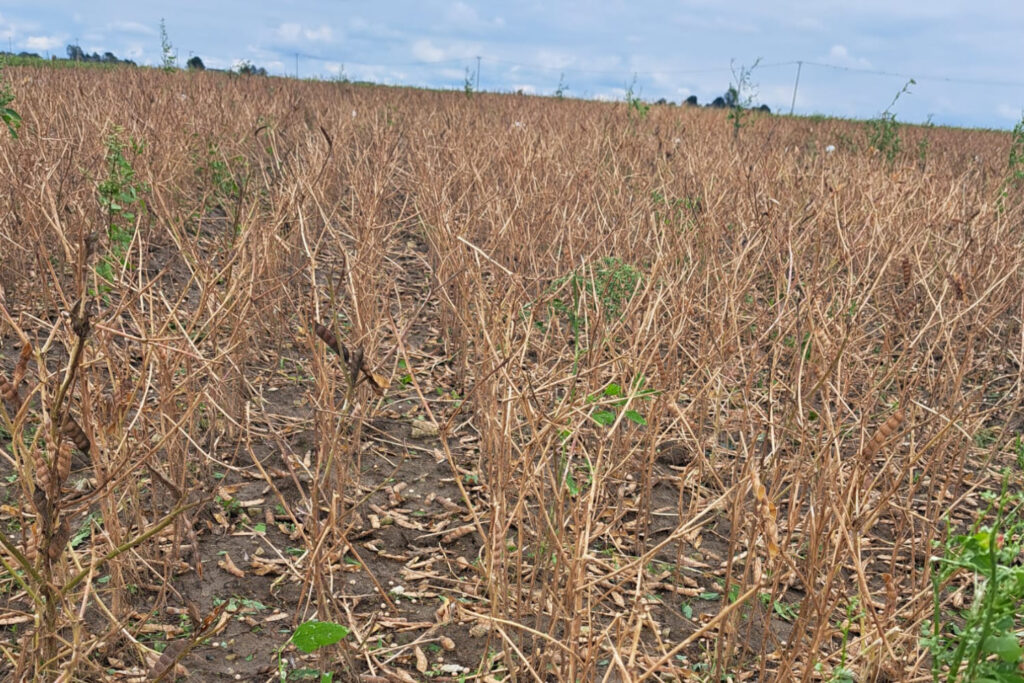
<point x="134" y="27"/>
<point x="427" y="51"/>
<point x="6" y="28"/>
<point x="43" y="43"/>
<point x="840" y="56"/>
<point x="1009" y="112"/>
<point x="613" y="95"/>
<point x="461" y="13"/>
<point x="292" y="32"/>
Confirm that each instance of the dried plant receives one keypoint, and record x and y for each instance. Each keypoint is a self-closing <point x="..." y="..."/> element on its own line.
<point x="612" y="399"/>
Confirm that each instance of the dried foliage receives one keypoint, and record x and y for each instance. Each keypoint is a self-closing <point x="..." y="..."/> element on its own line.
<point x="661" y="403"/>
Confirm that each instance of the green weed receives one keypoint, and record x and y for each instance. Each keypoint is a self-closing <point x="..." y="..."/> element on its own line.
<point x="121" y="197"/>
<point x="983" y="642"/>
<point x="883" y="131"/>
<point x="1015" y="166"/>
<point x="637" y="107"/>
<point x="168" y="58"/>
<point x="11" y="119"/>
<point x="603" y="288"/>
<point x="740" y="96"/>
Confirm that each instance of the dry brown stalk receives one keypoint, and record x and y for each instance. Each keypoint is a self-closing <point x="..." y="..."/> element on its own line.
<point x="485" y="245"/>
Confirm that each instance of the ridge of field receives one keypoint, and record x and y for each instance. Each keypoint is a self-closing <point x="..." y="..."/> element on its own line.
<point x="660" y="397"/>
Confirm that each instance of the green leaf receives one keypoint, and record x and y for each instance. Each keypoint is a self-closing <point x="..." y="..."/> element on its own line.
<point x="570" y="483"/>
<point x="1006" y="646"/>
<point x="313" y="635"/>
<point x="612" y="390"/>
<point x="635" y="417"/>
<point x="604" y="417"/>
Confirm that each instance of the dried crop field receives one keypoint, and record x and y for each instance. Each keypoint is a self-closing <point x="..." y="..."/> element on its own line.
<point x="613" y="395"/>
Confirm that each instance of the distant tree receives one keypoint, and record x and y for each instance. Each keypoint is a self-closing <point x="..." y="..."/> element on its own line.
<point x="195" y="64"/>
<point x="690" y="101"/>
<point x="75" y="53"/>
<point x="247" y="68"/>
<point x="110" y="58"/>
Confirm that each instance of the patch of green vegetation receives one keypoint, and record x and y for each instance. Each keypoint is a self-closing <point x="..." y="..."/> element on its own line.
<point x="1015" y="166"/>
<point x="121" y="197"/>
<point x="600" y="289"/>
<point x="636" y="106"/>
<point x="883" y="131"/>
<point x="981" y="643"/>
<point x="10" y="118"/>
<point x="740" y="97"/>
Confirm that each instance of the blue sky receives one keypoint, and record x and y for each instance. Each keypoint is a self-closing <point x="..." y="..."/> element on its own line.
<point x="967" y="58"/>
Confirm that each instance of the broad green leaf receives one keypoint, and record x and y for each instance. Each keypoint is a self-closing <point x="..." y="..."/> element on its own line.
<point x="1006" y="646"/>
<point x="313" y="635"/>
<point x="635" y="417"/>
<point x="604" y="417"/>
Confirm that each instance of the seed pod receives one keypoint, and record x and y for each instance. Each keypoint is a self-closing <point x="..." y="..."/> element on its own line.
<point x="22" y="364"/>
<point x="885" y="430"/>
<point x="32" y="545"/>
<point x="59" y="540"/>
<point x="71" y="430"/>
<point x="356" y="364"/>
<point x="9" y="393"/>
<point x="331" y="340"/>
<point x="43" y="479"/>
<point x="63" y="464"/>
<point x="906" y="272"/>
<point x="168" y="660"/>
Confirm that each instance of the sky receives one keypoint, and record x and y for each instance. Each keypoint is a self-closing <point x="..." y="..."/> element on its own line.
<point x="967" y="57"/>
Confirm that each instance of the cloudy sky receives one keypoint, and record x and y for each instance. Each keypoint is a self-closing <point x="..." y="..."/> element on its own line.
<point x="967" y="57"/>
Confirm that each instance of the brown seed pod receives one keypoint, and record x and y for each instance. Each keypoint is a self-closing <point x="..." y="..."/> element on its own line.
<point x="63" y="463"/>
<point x="907" y="272"/>
<point x="43" y="479"/>
<point x="168" y="660"/>
<point x="32" y="545"/>
<point x="22" y="364"/>
<point x="356" y="364"/>
<point x="60" y="538"/>
<point x="882" y="434"/>
<point x="9" y="393"/>
<point x="332" y="341"/>
<point x="72" y="431"/>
